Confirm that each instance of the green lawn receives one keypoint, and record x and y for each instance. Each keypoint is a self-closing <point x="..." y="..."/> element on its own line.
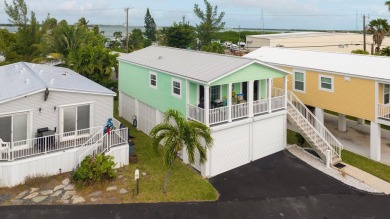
<point x="184" y="183"/>
<point x="377" y="169"/>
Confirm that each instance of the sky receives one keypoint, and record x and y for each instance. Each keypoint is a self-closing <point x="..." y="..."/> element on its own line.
<point x="277" y="14"/>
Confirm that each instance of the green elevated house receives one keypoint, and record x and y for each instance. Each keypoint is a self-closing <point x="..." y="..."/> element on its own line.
<point x="232" y="95"/>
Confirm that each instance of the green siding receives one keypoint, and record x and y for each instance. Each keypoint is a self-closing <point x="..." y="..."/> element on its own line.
<point x="193" y="94"/>
<point x="263" y="90"/>
<point x="134" y="81"/>
<point x="251" y="72"/>
<point x="224" y="91"/>
<point x="237" y="88"/>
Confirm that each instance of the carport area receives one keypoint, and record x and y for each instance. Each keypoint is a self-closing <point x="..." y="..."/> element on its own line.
<point x="357" y="137"/>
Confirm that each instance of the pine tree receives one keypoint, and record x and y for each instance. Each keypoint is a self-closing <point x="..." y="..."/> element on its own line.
<point x="150" y="27"/>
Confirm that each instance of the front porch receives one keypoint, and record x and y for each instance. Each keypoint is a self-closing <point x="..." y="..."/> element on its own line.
<point x="272" y="100"/>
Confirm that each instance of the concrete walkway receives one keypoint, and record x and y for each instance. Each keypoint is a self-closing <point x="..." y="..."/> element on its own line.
<point x="357" y="138"/>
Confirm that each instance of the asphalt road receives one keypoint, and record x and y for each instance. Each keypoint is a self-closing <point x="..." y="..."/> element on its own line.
<point x="278" y="186"/>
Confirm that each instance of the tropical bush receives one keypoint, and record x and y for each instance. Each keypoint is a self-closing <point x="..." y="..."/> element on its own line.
<point x="95" y="169"/>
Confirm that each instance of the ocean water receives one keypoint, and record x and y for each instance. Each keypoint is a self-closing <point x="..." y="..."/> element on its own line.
<point x="108" y="30"/>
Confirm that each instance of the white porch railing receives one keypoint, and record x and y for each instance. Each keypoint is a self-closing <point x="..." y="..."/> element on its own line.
<point x="46" y="144"/>
<point x="384" y="111"/>
<point x="239" y="110"/>
<point x="277" y="103"/>
<point x="104" y="143"/>
<point x="195" y="113"/>
<point x="260" y="106"/>
<point x="218" y="115"/>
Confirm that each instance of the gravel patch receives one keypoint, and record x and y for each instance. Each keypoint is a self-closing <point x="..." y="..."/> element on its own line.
<point x="319" y="165"/>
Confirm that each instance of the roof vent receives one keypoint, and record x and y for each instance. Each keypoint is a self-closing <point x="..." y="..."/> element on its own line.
<point x="16" y="66"/>
<point x="51" y="81"/>
<point x="27" y="81"/>
<point x="33" y="65"/>
<point x="41" y="71"/>
<point x="65" y="73"/>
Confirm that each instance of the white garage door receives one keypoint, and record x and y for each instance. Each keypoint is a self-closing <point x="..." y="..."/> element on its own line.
<point x="230" y="149"/>
<point x="128" y="107"/>
<point x="146" y="118"/>
<point x="268" y="136"/>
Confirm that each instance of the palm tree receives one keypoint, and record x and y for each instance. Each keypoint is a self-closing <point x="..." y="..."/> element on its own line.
<point x="175" y="133"/>
<point x="378" y="28"/>
<point x="388" y="4"/>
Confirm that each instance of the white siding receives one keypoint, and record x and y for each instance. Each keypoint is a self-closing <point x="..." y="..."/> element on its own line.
<point x="127" y="107"/>
<point x="268" y="140"/>
<point x="48" y="117"/>
<point x="15" y="172"/>
<point x="240" y="142"/>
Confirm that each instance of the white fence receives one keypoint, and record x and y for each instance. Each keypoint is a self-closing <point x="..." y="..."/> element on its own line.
<point x="260" y="106"/>
<point x="218" y="115"/>
<point x="195" y="113"/>
<point x="278" y="103"/>
<point x="221" y="114"/>
<point x="239" y="111"/>
<point x="46" y="144"/>
<point x="384" y="111"/>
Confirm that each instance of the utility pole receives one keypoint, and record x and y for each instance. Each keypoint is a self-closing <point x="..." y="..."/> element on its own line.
<point x="262" y="20"/>
<point x="127" y="29"/>
<point x="364" y="33"/>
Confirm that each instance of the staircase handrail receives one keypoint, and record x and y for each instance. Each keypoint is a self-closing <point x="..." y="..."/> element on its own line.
<point x="83" y="155"/>
<point x="316" y="132"/>
<point x="291" y="95"/>
<point x="90" y="139"/>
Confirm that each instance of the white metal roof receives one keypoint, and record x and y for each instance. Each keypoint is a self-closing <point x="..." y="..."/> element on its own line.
<point x="199" y="66"/>
<point x="20" y="79"/>
<point x="298" y="35"/>
<point x="367" y="66"/>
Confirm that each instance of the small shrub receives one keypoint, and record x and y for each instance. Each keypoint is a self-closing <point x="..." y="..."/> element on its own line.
<point x="300" y="139"/>
<point x="95" y="169"/>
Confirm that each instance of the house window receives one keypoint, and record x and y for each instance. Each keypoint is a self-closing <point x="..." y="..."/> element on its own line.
<point x="76" y="118"/>
<point x="153" y="80"/>
<point x="215" y="93"/>
<point x="386" y="93"/>
<point x="176" y="88"/>
<point x="14" y="127"/>
<point x="326" y="83"/>
<point x="299" y="81"/>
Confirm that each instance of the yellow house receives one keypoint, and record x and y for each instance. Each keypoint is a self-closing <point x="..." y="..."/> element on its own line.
<point x="349" y="84"/>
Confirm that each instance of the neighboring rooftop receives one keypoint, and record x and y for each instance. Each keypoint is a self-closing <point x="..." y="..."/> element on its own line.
<point x="299" y="35"/>
<point x="201" y="66"/>
<point x="376" y="67"/>
<point x="21" y="79"/>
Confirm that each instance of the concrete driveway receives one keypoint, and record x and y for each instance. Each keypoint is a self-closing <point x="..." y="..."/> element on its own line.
<point x="278" y="186"/>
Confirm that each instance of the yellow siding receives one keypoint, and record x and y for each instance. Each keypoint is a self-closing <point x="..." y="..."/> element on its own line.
<point x="355" y="97"/>
<point x="380" y="93"/>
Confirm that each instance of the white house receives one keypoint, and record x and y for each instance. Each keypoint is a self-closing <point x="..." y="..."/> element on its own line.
<point x="50" y="119"/>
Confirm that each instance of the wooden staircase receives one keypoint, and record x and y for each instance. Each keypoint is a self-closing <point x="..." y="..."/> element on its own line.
<point x="313" y="130"/>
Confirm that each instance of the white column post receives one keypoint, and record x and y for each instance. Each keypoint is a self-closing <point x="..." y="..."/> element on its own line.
<point x="319" y="113"/>
<point x="375" y="141"/>
<point x="269" y="95"/>
<point x="187" y="98"/>
<point x="361" y="121"/>
<point x="206" y="105"/>
<point x="250" y="98"/>
<point x="342" y="123"/>
<point x="229" y="102"/>
<point x="285" y="91"/>
<point x="120" y="96"/>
